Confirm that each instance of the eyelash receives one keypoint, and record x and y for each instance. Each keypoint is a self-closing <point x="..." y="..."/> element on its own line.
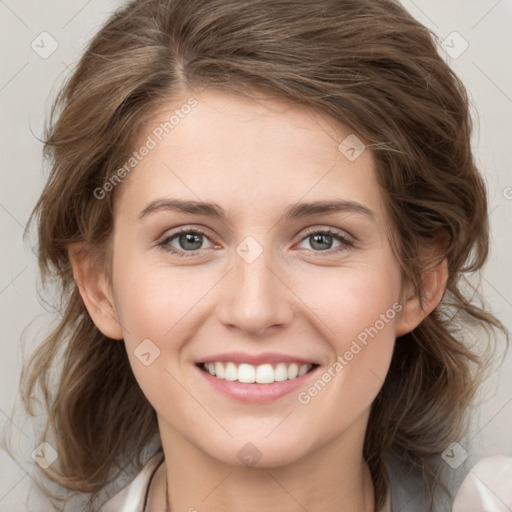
<point x="345" y="242"/>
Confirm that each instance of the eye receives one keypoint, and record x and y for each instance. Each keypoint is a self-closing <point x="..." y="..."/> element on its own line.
<point x="322" y="240"/>
<point x="188" y="241"/>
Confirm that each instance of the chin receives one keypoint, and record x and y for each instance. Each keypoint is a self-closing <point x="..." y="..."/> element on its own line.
<point x="259" y="453"/>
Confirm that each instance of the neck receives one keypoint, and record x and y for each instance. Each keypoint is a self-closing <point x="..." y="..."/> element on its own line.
<point x="334" y="478"/>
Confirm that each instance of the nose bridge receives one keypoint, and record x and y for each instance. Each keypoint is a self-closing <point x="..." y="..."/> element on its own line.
<point x="255" y="297"/>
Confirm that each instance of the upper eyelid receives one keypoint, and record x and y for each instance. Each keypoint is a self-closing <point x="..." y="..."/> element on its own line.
<point x="315" y="229"/>
<point x="169" y="233"/>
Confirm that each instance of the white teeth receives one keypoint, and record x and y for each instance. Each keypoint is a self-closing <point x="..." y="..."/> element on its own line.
<point x="231" y="372"/>
<point x="293" y="370"/>
<point x="246" y="373"/>
<point x="281" y="372"/>
<point x="262" y="374"/>
<point x="219" y="370"/>
<point x="303" y="369"/>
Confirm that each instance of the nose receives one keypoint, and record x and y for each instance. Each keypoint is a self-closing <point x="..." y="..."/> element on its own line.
<point x="255" y="298"/>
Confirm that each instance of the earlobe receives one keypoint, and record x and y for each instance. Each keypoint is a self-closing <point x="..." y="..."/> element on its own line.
<point x="414" y="311"/>
<point x="95" y="291"/>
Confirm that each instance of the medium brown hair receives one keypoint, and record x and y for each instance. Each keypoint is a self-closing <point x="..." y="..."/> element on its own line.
<point x="368" y="64"/>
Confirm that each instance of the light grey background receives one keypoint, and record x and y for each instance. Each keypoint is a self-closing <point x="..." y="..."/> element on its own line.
<point x="28" y="79"/>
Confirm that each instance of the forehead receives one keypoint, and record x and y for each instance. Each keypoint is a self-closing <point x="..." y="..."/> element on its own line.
<point x="249" y="153"/>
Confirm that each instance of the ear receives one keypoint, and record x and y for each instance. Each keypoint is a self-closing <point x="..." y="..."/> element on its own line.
<point x="414" y="311"/>
<point x="95" y="290"/>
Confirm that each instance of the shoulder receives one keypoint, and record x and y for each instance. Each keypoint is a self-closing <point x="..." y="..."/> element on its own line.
<point x="132" y="497"/>
<point x="488" y="484"/>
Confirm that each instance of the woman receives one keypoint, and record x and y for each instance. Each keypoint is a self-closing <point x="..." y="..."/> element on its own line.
<point x="261" y="214"/>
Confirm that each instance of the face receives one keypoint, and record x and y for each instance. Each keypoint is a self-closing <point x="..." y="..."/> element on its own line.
<point x="248" y="284"/>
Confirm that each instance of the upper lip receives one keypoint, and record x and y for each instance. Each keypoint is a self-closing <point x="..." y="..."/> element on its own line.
<point x="255" y="359"/>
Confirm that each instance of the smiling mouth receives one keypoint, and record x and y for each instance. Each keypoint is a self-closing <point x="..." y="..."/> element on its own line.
<point x="261" y="374"/>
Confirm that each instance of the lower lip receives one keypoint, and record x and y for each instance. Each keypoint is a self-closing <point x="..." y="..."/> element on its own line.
<point x="256" y="393"/>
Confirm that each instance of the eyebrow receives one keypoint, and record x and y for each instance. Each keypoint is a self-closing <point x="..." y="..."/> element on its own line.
<point x="295" y="211"/>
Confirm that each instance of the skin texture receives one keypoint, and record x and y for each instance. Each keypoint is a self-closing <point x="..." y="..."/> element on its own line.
<point x="254" y="159"/>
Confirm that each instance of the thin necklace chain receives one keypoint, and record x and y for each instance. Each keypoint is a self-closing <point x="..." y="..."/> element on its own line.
<point x="167" y="506"/>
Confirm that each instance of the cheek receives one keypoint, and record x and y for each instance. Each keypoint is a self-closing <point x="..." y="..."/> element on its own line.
<point x="160" y="308"/>
<point x="368" y="323"/>
<point x="358" y="309"/>
<point x="369" y="310"/>
<point x="152" y="299"/>
<point x="153" y="309"/>
<point x="350" y="299"/>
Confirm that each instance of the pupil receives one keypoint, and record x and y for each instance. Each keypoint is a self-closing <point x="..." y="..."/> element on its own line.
<point x="321" y="237"/>
<point x="187" y="238"/>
